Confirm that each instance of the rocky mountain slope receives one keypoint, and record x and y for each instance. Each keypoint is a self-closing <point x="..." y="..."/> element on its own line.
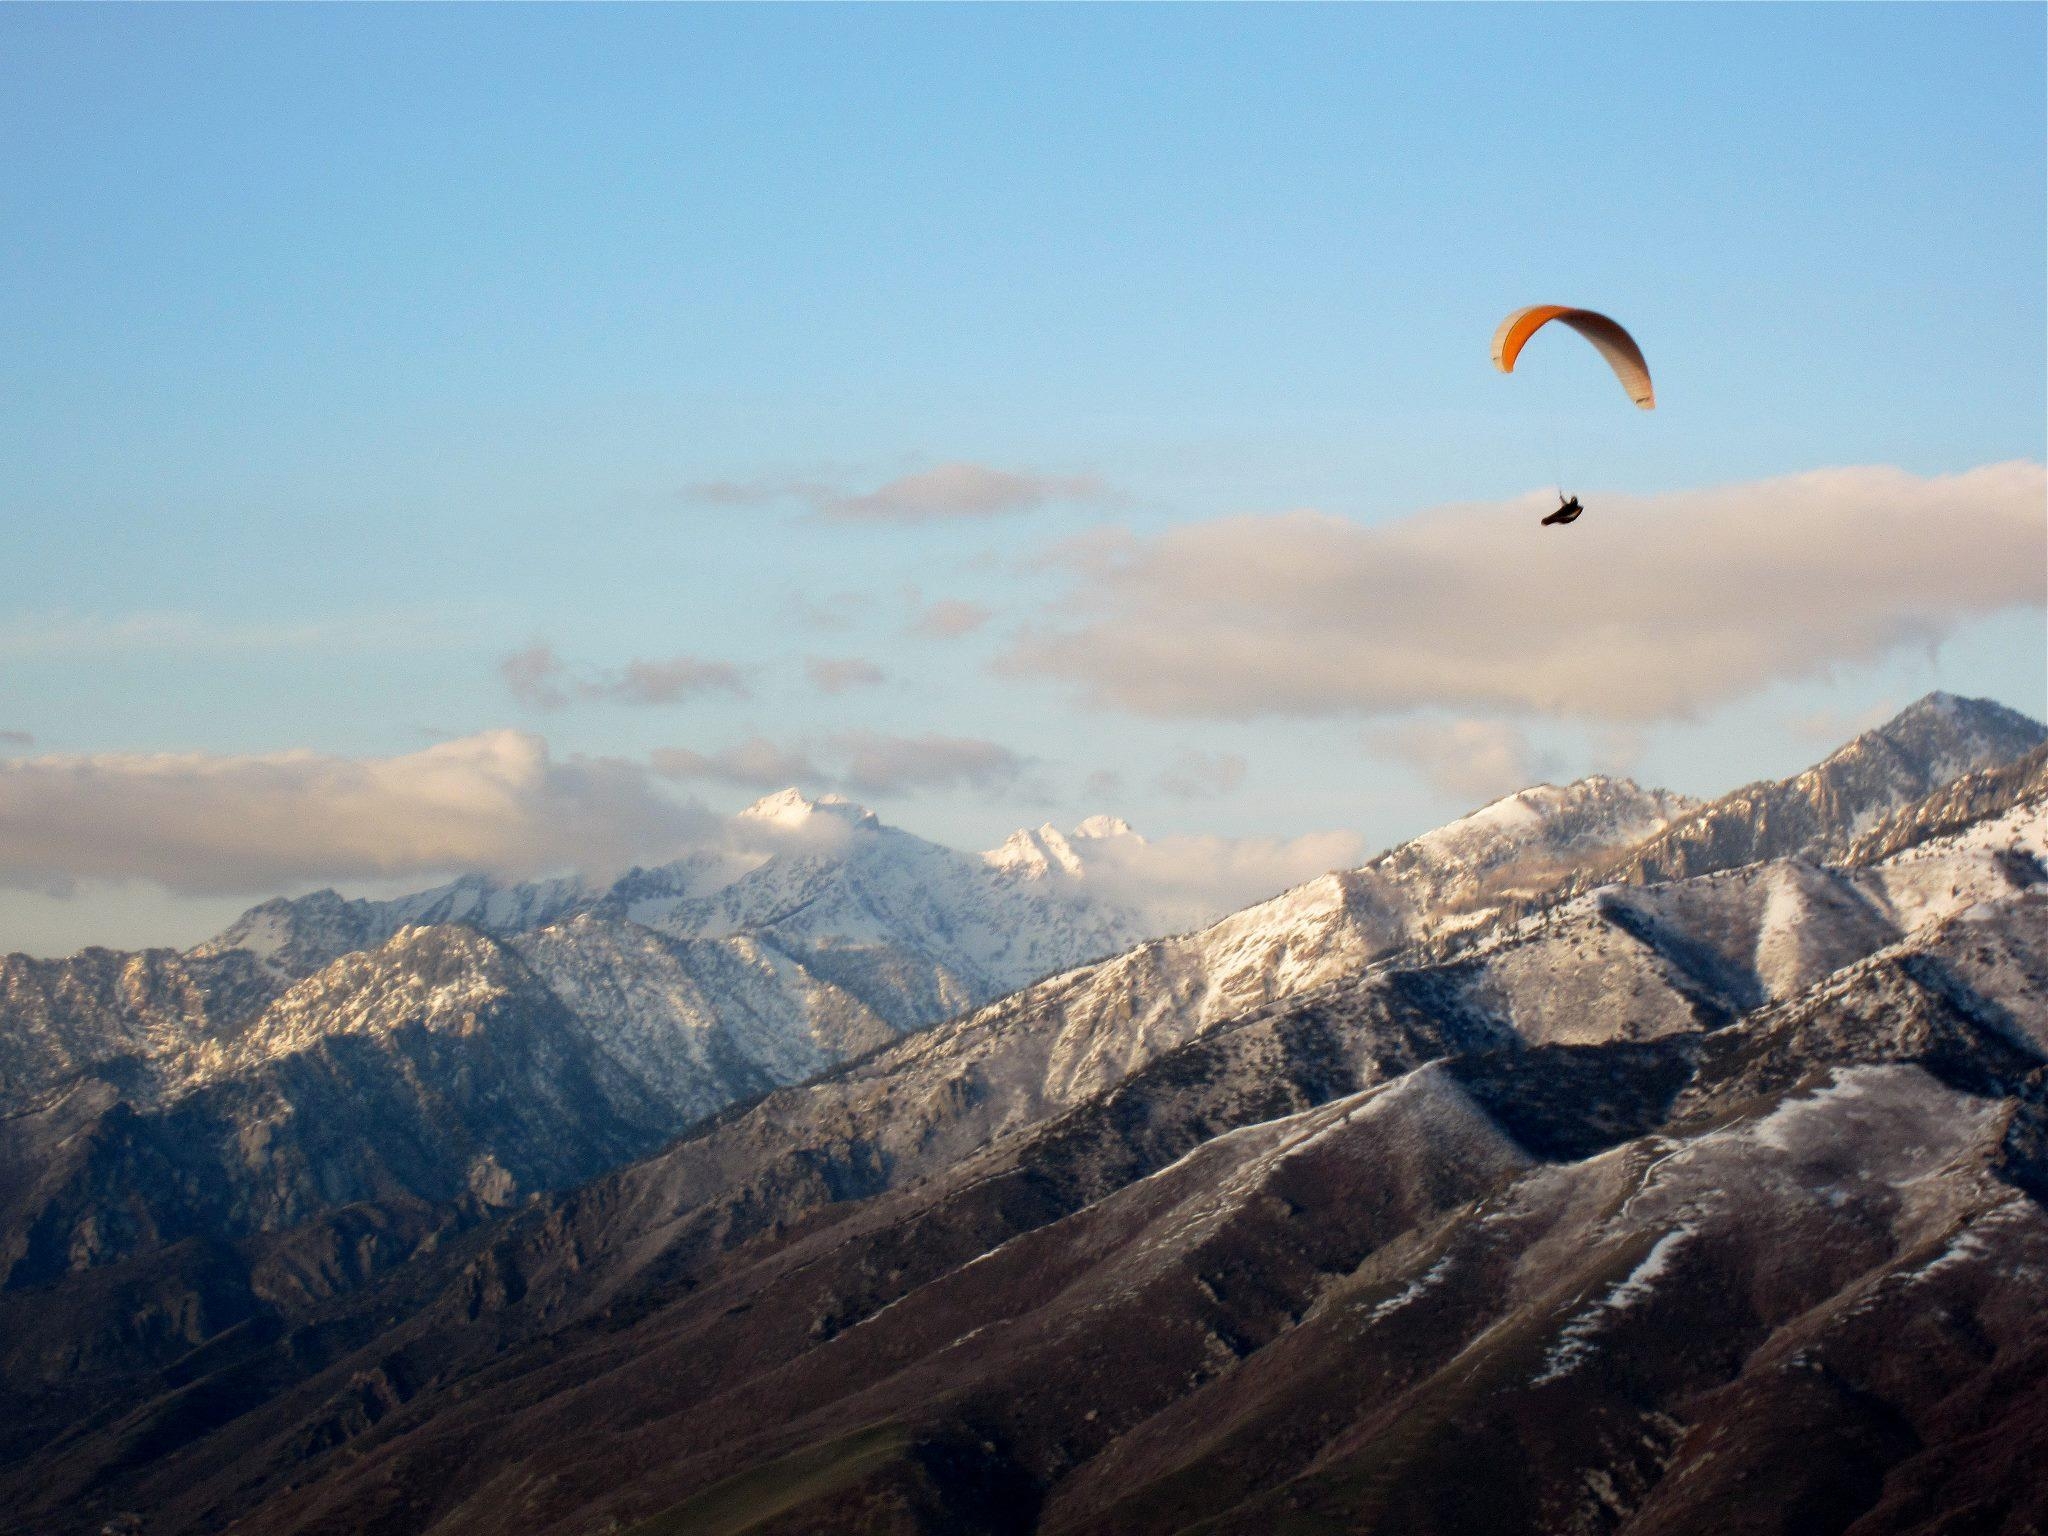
<point x="130" y="1017"/>
<point x="1819" y="812"/>
<point x="1701" y="1205"/>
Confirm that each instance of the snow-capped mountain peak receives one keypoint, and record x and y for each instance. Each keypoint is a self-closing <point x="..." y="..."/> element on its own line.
<point x="1036" y="852"/>
<point x="1941" y="736"/>
<point x="1096" y="828"/>
<point x="791" y="809"/>
<point x="1595" y="811"/>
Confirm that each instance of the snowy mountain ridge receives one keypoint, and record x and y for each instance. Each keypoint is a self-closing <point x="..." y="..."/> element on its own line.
<point x="817" y="845"/>
<point x="1819" y="812"/>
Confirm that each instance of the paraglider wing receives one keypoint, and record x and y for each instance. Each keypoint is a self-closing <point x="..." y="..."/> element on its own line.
<point x="1615" y="344"/>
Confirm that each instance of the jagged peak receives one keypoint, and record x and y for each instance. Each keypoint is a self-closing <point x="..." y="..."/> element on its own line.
<point x="1942" y="735"/>
<point x="1955" y="713"/>
<point x="1040" y="850"/>
<point x="792" y="808"/>
<point x="1599" y="808"/>
<point x="1101" y="826"/>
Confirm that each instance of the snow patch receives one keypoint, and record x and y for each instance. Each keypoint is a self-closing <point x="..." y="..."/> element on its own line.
<point x="1576" y="1343"/>
<point x="1415" y="1288"/>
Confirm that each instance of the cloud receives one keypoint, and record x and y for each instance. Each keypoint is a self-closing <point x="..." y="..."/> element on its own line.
<point x="945" y="493"/>
<point x="756" y="763"/>
<point x="830" y="674"/>
<point x="537" y="677"/>
<point x="1652" y="608"/>
<point x="1474" y="759"/>
<point x="671" y="681"/>
<point x="861" y="762"/>
<point x="960" y="491"/>
<point x="540" y="679"/>
<point x="755" y="493"/>
<point x="1831" y="727"/>
<point x="1203" y="775"/>
<point x="247" y="825"/>
<point x="201" y="824"/>
<point x="892" y="765"/>
<point x="1191" y="881"/>
<point x="16" y="739"/>
<point x="949" y="618"/>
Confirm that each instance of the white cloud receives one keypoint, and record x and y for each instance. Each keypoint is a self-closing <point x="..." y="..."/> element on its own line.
<point x="1196" y="879"/>
<point x="1649" y="608"/>
<point x="1474" y="759"/>
<point x="941" y="494"/>
<point x="960" y="491"/>
<point x="878" y="764"/>
<point x="190" y="822"/>
<point x="861" y="762"/>
<point x="756" y="763"/>
<point x="206" y="826"/>
<point x="542" y="680"/>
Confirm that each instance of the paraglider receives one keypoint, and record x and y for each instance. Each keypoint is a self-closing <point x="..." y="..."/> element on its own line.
<point x="1614" y="344"/>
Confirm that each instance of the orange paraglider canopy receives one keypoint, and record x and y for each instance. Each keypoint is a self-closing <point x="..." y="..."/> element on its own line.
<point x="1614" y="344"/>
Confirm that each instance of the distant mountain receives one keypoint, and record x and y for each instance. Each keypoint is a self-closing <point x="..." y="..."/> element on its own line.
<point x="297" y="936"/>
<point x="920" y="929"/>
<point x="923" y="929"/>
<point x="1677" y="1207"/>
<point x="481" y="1041"/>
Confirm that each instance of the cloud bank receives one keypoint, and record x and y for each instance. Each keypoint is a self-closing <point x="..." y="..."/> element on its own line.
<point x="1478" y="760"/>
<point x="1196" y="879"/>
<point x="756" y="763"/>
<point x="1651" y="608"/>
<point x="500" y="802"/>
<point x="860" y="762"/>
<point x="217" y="825"/>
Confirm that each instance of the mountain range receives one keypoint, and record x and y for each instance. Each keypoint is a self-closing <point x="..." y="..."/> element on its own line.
<point x="1676" y="1164"/>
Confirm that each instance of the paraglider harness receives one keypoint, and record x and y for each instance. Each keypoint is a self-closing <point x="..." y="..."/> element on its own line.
<point x="1568" y="508"/>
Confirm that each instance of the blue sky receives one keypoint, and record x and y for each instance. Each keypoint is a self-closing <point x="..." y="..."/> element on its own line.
<point x="348" y="351"/>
